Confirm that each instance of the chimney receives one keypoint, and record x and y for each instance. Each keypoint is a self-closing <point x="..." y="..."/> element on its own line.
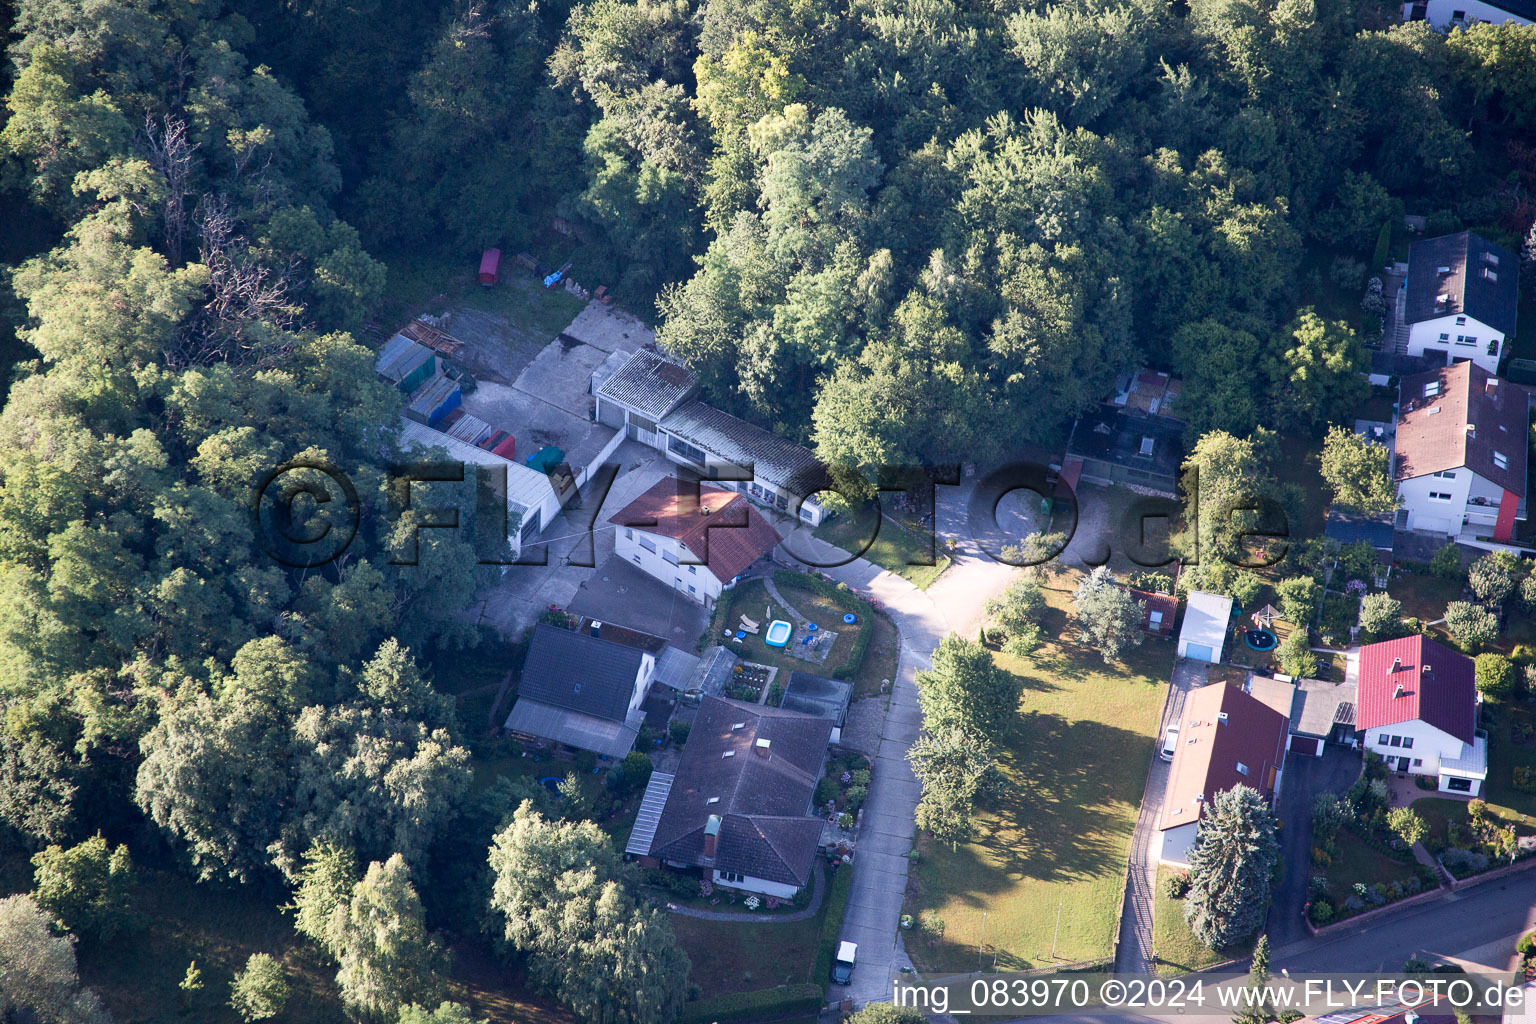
<point x="711" y="835"/>
<point x="1397" y="664"/>
<point x="597" y="628"/>
<point x="761" y="749"/>
<point x="1399" y="691"/>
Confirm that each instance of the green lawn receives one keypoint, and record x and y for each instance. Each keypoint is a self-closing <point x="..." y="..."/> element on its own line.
<point x="1423" y="596"/>
<point x="1075" y="766"/>
<point x="733" y="956"/>
<point x="1360" y="862"/>
<point x="894" y="547"/>
<point x="1503" y="755"/>
<point x="1175" y="948"/>
<point x="751" y="599"/>
<point x="429" y="283"/>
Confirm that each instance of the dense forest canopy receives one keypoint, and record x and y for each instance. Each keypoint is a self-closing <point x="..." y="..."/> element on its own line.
<point x="901" y="231"/>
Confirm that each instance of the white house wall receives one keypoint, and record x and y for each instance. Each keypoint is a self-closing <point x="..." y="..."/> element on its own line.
<point x="759" y="885"/>
<point x="1429" y="745"/>
<point x="1177" y="842"/>
<point x="1424" y="339"/>
<point x="1433" y="514"/>
<point x="1440" y="13"/>
<point x="705" y="587"/>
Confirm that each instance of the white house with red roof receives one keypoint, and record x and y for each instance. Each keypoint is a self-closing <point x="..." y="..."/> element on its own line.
<point x="1417" y="709"/>
<point x="695" y="538"/>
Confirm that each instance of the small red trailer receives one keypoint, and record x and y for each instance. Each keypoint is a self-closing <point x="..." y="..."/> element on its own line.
<point x="490" y="266"/>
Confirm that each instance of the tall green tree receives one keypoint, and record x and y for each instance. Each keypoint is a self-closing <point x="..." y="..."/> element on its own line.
<point x="1108" y="618"/>
<point x="965" y="691"/>
<point x="88" y="887"/>
<point x="1231" y="868"/>
<point x="38" y="973"/>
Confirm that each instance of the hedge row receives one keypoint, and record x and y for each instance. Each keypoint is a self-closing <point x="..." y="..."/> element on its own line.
<point x="801" y="1000"/>
<point x="844" y="598"/>
<point x="832" y="923"/>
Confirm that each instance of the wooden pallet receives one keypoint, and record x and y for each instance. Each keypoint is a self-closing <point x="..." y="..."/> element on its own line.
<point x="436" y="340"/>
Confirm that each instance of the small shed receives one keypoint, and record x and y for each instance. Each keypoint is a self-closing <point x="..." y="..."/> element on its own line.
<point x="1203" y="636"/>
<point x="490" y="266"/>
<point x="506" y="448"/>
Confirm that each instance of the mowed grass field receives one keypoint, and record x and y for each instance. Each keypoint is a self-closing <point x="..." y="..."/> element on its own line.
<point x="1057" y="840"/>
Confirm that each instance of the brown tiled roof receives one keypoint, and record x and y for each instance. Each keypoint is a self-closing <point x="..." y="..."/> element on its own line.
<point x="722" y="530"/>
<point x="762" y="801"/>
<point x="1155" y="602"/>
<point x="1471" y="417"/>
<point x="1210" y="749"/>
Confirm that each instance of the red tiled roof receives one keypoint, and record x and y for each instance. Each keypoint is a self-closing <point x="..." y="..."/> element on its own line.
<point x="721" y="529"/>
<point x="1210" y="749"/>
<point x="1155" y="602"/>
<point x="1471" y="417"/>
<point x="1445" y="696"/>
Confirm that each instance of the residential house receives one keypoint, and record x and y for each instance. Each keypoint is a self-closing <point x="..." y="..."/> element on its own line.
<point x="1459" y="297"/>
<point x="1203" y="636"/>
<point x="1418" y="711"/>
<point x="697" y="546"/>
<point x="652" y="399"/>
<point x="738" y="807"/>
<point x="1133" y="437"/>
<point x="1459" y="456"/>
<point x="1226" y="738"/>
<point x="582" y="691"/>
<point x="1449" y="14"/>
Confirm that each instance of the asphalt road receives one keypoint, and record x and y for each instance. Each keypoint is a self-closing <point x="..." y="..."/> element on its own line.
<point x="1304" y="778"/>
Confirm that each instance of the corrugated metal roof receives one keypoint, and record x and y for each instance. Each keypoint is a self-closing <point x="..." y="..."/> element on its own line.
<point x="779" y="462"/>
<point x="648" y="384"/>
<point x="1205" y="619"/>
<point x="526" y="487"/>
<point x="676" y="668"/>
<point x="574" y="729"/>
<point x="650" y="813"/>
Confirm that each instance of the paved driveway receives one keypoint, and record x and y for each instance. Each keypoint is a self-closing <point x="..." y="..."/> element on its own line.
<point x="1305" y="777"/>
<point x="1134" y="952"/>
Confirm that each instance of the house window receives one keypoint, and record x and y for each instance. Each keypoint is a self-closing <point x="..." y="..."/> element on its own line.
<point x="1397" y="741"/>
<point x="1155" y="619"/>
<point x="1501" y="460"/>
<point x="677" y="446"/>
<point x="1459" y="785"/>
<point x="1439" y="496"/>
<point x="1461" y="321"/>
<point x="1407" y="742"/>
<point x="1443" y="337"/>
<point x="650" y="545"/>
<point x="1489" y="257"/>
<point x="1465" y="339"/>
<point x="1381" y="740"/>
<point x="1449" y="474"/>
<point x="693" y="569"/>
<point x="692" y="589"/>
<point x="1242" y="769"/>
<point x="629" y="534"/>
<point x="1418" y="761"/>
<point x="637" y="559"/>
<point x="1433" y="387"/>
<point x="671" y="559"/>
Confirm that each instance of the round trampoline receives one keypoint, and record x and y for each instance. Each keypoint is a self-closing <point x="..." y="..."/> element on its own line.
<point x="1261" y="639"/>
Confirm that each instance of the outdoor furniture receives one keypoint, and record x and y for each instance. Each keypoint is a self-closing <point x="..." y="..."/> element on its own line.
<point x="750" y="623"/>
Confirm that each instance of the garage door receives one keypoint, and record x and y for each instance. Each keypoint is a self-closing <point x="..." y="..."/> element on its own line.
<point x="1200" y="652"/>
<point x="1304" y="745"/>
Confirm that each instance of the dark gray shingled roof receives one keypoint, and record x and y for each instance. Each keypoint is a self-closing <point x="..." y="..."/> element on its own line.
<point x="765" y="830"/>
<point x="1475" y="285"/>
<point x="816" y="695"/>
<point x="648" y="384"/>
<point x="779" y="462"/>
<point x="580" y="672"/>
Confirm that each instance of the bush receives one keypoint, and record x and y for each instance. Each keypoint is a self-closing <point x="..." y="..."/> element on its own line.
<point x="1383" y="247"/>
<point x="679" y="732"/>
<point x="1446" y="562"/>
<point x="1461" y="862"/>
<point x="260" y="991"/>
<point x="1495" y="676"/>
<point x="1525" y="778"/>
<point x="826" y="791"/>
<point x="1470" y="625"/>
<point x="1425" y="782"/>
<point x="832" y="924"/>
<point x="1296" y="659"/>
<point x="802" y="1000"/>
<point x="1176" y="886"/>
<point x="854" y="798"/>
<point x="1321" y="911"/>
